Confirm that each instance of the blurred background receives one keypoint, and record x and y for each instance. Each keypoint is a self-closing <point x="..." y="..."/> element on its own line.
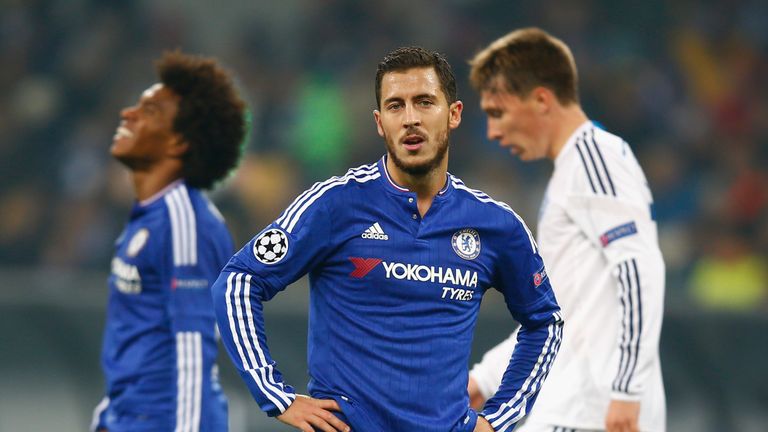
<point x="683" y="82"/>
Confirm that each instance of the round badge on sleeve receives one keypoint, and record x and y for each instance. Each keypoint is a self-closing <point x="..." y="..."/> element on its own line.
<point x="466" y="243"/>
<point x="271" y="246"/>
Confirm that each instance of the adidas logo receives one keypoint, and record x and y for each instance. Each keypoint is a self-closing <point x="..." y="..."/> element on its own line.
<point x="374" y="232"/>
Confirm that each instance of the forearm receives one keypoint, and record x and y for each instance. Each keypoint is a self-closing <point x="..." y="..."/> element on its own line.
<point x="640" y="293"/>
<point x="240" y="319"/>
<point x="531" y="361"/>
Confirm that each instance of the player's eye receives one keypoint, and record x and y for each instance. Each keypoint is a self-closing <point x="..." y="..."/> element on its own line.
<point x="149" y="108"/>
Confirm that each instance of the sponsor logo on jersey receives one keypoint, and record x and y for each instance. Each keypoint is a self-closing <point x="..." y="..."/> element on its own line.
<point x="137" y="242"/>
<point x="127" y="278"/>
<point x="415" y="272"/>
<point x="271" y="246"/>
<point x="374" y="232"/>
<point x="189" y="283"/>
<point x="539" y="276"/>
<point x="457" y="294"/>
<point x="363" y="266"/>
<point x="466" y="243"/>
<point x="618" y="232"/>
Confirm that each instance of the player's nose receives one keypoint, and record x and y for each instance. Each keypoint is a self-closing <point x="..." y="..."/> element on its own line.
<point x="493" y="132"/>
<point x="411" y="117"/>
<point x="127" y="112"/>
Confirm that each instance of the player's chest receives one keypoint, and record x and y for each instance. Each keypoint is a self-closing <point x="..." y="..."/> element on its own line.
<point x="136" y="268"/>
<point x="436" y="261"/>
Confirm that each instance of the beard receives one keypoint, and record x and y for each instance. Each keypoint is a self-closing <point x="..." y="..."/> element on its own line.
<point x="423" y="168"/>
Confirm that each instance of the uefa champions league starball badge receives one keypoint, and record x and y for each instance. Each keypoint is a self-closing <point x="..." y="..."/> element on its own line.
<point x="271" y="246"/>
<point x="466" y="243"/>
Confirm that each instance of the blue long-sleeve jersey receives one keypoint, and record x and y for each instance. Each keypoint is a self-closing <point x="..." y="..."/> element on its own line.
<point x="159" y="346"/>
<point x="394" y="299"/>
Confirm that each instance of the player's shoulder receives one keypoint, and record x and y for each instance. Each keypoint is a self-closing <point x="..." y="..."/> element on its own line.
<point x="335" y="192"/>
<point x="612" y="147"/>
<point x="343" y="186"/>
<point x="190" y="207"/>
<point x="496" y="216"/>
<point x="600" y="164"/>
<point x="191" y="219"/>
<point x="205" y="210"/>
<point x="482" y="201"/>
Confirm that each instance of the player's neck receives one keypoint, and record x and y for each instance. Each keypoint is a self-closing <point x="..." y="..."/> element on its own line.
<point x="146" y="183"/>
<point x="426" y="186"/>
<point x="569" y="119"/>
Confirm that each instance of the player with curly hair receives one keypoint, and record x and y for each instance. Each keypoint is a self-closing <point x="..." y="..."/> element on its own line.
<point x="159" y="349"/>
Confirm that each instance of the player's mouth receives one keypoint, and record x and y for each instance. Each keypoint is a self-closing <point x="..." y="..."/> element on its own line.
<point x="513" y="149"/>
<point x="413" y="142"/>
<point x="122" y="132"/>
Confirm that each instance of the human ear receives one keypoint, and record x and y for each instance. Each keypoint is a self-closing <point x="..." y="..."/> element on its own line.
<point x="454" y="115"/>
<point x="178" y="147"/>
<point x="377" y="119"/>
<point x="543" y="98"/>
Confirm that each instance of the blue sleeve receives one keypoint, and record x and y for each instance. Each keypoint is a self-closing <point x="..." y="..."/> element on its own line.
<point x="522" y="279"/>
<point x="99" y="420"/>
<point x="190" y="305"/>
<point x="280" y="254"/>
<point x="195" y="265"/>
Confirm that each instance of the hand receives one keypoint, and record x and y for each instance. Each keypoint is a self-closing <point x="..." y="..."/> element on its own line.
<point x="306" y="414"/>
<point x="622" y="416"/>
<point x="483" y="425"/>
<point x="476" y="399"/>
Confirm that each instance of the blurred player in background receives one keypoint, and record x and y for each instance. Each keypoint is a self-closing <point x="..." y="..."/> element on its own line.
<point x="399" y="254"/>
<point x="597" y="235"/>
<point x="159" y="350"/>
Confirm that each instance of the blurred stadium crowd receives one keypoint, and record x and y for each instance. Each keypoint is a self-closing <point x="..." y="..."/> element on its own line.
<point x="684" y="82"/>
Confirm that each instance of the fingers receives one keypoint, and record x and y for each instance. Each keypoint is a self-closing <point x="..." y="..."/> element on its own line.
<point x="327" y="404"/>
<point x="622" y="426"/>
<point x="308" y="415"/>
<point x="328" y="422"/>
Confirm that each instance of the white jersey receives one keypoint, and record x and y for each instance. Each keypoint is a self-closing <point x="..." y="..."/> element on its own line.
<point x="599" y="242"/>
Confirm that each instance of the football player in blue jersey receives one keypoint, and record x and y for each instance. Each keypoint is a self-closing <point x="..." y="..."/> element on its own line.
<point x="399" y="255"/>
<point x="183" y="135"/>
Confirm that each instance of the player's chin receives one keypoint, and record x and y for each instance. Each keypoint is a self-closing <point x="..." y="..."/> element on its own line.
<point x="120" y="146"/>
<point x="117" y="151"/>
<point x="520" y="153"/>
<point x="418" y="168"/>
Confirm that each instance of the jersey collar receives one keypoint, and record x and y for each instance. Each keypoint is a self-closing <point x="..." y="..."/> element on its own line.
<point x="171" y="186"/>
<point x="150" y="204"/>
<point x="393" y="187"/>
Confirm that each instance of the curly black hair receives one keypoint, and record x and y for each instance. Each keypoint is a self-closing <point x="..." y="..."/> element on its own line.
<point x="210" y="118"/>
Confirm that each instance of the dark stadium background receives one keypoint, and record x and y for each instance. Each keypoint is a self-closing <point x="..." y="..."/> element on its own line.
<point x="684" y="82"/>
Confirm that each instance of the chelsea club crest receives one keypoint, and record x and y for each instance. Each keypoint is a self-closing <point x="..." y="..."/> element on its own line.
<point x="137" y="242"/>
<point x="466" y="243"/>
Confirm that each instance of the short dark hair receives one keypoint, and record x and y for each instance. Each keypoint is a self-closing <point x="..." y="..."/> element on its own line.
<point x="406" y="58"/>
<point x="210" y="118"/>
<point x="523" y="60"/>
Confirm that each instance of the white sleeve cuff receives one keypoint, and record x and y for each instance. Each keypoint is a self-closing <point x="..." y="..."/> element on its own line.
<point x="627" y="397"/>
